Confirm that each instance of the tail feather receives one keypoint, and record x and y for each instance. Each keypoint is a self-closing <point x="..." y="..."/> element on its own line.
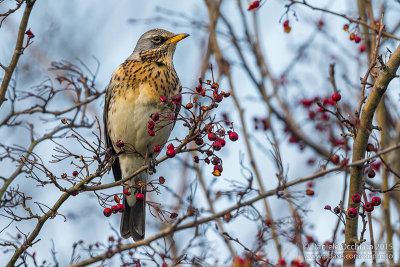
<point x="133" y="220"/>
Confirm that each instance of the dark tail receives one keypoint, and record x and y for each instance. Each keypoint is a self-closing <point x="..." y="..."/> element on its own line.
<point x="133" y="220"/>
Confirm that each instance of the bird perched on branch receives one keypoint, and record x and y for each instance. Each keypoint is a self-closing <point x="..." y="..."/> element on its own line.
<point x="135" y="120"/>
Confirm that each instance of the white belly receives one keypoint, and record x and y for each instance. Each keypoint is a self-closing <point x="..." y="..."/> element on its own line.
<point x="128" y="119"/>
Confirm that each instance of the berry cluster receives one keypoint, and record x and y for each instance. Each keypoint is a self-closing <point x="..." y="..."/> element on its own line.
<point x="368" y="206"/>
<point x="354" y="37"/>
<point x="120" y="207"/>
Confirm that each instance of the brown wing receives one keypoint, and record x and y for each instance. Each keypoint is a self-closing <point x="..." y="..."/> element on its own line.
<point x="109" y="145"/>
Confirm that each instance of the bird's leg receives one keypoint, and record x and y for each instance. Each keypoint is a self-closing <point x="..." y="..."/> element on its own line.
<point x="151" y="163"/>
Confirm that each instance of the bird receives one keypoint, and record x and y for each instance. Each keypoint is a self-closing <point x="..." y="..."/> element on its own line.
<point x="139" y="115"/>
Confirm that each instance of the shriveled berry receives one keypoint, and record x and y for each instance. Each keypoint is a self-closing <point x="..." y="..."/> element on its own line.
<point x="309" y="192"/>
<point x="120" y="208"/>
<point x="368" y="207"/>
<point x="161" y="179"/>
<point x="327" y="207"/>
<point x="114" y="209"/>
<point x="157" y="148"/>
<point x="233" y="136"/>
<point x="116" y="199"/>
<point x="336" y="210"/>
<point x="352" y="35"/>
<point x="119" y="143"/>
<point x="370" y="147"/>
<point x="376" y="201"/>
<point x="352" y="212"/>
<point x="107" y="212"/>
<point x="199" y="141"/>
<point x="189" y="105"/>
<point x="371" y="173"/>
<point x="139" y="196"/>
<point x="171" y="153"/>
<point x="126" y="192"/>
<point x="356" y="198"/>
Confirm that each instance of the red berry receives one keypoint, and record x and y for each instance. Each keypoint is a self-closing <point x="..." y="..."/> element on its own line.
<point x="233" y="136"/>
<point x="282" y="262"/>
<point x="114" y="209"/>
<point x="157" y="148"/>
<point x="361" y="48"/>
<point x="119" y="143"/>
<point x="116" y="198"/>
<point x="155" y="116"/>
<point x="164" y="264"/>
<point x="222" y="141"/>
<point x="198" y="88"/>
<point x="335" y="159"/>
<point x="254" y="5"/>
<point x="139" y="196"/>
<point x="29" y="33"/>
<point x="352" y="212"/>
<point x="126" y="192"/>
<point x="212" y="136"/>
<point x="357" y="39"/>
<point x="309" y="192"/>
<point x="376" y="201"/>
<point x="356" y="198"/>
<point x="107" y="212"/>
<point x="327" y="207"/>
<point x="151" y="125"/>
<point x="307" y="102"/>
<point x="286" y="23"/>
<point x="152" y="133"/>
<point x="219" y="98"/>
<point x="75" y="173"/>
<point x="170" y="146"/>
<point x="369" y="207"/>
<point x="171" y="153"/>
<point x="121" y="207"/>
<point x="217" y="145"/>
<point x="336" y="97"/>
<point x="163" y="98"/>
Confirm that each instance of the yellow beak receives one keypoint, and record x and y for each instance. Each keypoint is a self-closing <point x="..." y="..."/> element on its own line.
<point x="177" y="38"/>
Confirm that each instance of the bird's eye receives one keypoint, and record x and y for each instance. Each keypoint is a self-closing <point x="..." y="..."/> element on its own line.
<point x="156" y="39"/>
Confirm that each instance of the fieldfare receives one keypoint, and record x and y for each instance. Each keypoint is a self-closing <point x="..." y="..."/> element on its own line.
<point x="135" y="120"/>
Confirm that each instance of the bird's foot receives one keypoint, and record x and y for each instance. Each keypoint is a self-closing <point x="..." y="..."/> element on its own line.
<point x="152" y="165"/>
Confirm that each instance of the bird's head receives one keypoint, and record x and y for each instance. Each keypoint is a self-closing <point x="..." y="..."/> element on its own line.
<point x="157" y="45"/>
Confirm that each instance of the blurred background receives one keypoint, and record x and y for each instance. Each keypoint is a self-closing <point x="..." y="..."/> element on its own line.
<point x="106" y="32"/>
